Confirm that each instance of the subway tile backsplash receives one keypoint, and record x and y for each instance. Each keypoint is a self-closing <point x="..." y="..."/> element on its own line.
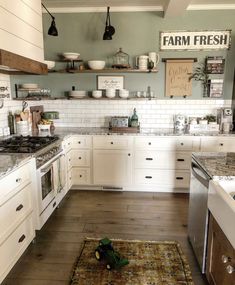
<point x="153" y="114"/>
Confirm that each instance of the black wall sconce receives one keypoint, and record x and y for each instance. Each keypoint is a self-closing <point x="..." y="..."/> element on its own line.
<point x="52" y="31"/>
<point x="109" y="30"/>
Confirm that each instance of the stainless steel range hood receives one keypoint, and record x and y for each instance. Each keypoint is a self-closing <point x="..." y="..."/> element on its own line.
<point x="11" y="63"/>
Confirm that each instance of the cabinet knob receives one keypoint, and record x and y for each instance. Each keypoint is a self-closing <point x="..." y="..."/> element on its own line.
<point x="19" y="207"/>
<point x="129" y="154"/>
<point x="111" y="142"/>
<point x="181" y="143"/>
<point x="18" y="180"/>
<point x="80" y="176"/>
<point x="21" y="238"/>
<point x="150" y="143"/>
<point x="221" y="144"/>
<point x="79" y="157"/>
<point x="54" y="204"/>
<point x="79" y="142"/>
<point x="230" y="269"/>
<point x="225" y="258"/>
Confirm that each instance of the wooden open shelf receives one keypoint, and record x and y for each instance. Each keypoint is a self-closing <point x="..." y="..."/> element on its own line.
<point x="37" y="98"/>
<point x="107" y="70"/>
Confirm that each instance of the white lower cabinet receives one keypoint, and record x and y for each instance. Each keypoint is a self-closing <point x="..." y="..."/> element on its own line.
<point x="16" y="214"/>
<point x="81" y="176"/>
<point x="112" y="167"/>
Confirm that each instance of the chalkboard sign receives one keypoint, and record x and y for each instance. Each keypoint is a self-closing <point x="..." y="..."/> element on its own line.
<point x="178" y="72"/>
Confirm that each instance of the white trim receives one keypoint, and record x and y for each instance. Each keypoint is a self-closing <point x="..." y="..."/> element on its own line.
<point x="104" y="9"/>
<point x="212" y="7"/>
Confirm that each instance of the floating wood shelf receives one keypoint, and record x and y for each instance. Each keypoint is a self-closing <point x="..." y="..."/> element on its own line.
<point x="108" y="70"/>
<point x="38" y="98"/>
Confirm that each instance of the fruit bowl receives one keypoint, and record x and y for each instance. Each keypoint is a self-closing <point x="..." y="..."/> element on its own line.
<point x="96" y="64"/>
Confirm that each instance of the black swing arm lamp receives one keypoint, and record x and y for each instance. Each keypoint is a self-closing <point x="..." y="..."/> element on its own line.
<point x="52" y="31"/>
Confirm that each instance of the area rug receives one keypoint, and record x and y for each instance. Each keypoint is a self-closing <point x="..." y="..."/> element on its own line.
<point x="150" y="263"/>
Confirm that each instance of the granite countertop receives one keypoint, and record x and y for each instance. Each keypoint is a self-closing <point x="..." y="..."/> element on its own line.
<point x="143" y="132"/>
<point x="218" y="165"/>
<point x="9" y="162"/>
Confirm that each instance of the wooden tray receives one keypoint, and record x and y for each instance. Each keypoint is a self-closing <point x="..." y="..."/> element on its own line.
<point x="125" y="130"/>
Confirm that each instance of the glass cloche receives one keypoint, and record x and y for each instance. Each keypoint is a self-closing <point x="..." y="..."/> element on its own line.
<point x="121" y="60"/>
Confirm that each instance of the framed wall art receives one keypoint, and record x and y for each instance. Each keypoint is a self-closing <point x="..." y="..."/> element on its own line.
<point x="110" y="82"/>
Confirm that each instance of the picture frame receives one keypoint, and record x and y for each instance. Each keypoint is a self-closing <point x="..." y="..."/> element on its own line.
<point x="110" y="82"/>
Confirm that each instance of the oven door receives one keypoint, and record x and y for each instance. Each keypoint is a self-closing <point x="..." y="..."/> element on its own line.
<point x="46" y="186"/>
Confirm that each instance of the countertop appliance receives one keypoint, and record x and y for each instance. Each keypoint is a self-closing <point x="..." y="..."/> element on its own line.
<point x="198" y="212"/>
<point x="225" y="116"/>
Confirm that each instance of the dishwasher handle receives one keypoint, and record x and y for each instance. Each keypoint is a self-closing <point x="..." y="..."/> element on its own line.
<point x="200" y="175"/>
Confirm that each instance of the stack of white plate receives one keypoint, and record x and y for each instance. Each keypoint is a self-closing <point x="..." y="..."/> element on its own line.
<point x="71" y="55"/>
<point x="77" y="94"/>
<point x="29" y="86"/>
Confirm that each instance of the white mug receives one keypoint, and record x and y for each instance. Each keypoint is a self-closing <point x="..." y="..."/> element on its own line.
<point x="142" y="62"/>
<point x="154" y="57"/>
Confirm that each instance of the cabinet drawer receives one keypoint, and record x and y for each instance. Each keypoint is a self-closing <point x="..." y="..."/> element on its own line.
<point x="170" y="178"/>
<point x="81" y="176"/>
<point x="81" y="142"/>
<point x="14" y="211"/>
<point x="15" y="245"/>
<point x="79" y="158"/>
<point x="13" y="182"/>
<point x="112" y="142"/>
<point x="219" y="144"/>
<point x="162" y="160"/>
<point x="168" y="143"/>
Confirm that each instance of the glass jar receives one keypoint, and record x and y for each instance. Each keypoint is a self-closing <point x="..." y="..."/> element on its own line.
<point x="121" y="60"/>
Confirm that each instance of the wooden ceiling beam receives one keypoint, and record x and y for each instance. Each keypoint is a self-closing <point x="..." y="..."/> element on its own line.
<point x="175" y="8"/>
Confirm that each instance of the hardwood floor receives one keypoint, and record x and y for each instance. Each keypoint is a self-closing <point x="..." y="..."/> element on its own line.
<point x="126" y="215"/>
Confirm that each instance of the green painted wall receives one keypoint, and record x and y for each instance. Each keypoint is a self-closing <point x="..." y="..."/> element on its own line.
<point x="137" y="33"/>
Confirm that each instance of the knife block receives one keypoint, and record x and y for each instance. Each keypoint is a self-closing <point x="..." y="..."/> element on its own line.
<point x="36" y="116"/>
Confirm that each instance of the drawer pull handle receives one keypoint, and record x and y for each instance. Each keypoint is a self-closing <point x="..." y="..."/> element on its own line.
<point x="230" y="269"/>
<point x="79" y="142"/>
<point x="225" y="258"/>
<point x="180" y="159"/>
<point x="179" y="178"/>
<point x="149" y="158"/>
<point x="181" y="143"/>
<point x="148" y="177"/>
<point x="80" y="175"/>
<point x="129" y="154"/>
<point x="150" y="143"/>
<point x="21" y="238"/>
<point x="111" y="142"/>
<point x="79" y="157"/>
<point x="221" y="144"/>
<point x="54" y="204"/>
<point x="19" y="207"/>
<point x="18" y="180"/>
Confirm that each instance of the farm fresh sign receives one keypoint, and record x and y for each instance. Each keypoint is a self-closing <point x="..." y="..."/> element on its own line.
<point x="199" y="40"/>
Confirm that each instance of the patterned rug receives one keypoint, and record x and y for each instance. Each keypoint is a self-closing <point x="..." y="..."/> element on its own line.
<point x="150" y="263"/>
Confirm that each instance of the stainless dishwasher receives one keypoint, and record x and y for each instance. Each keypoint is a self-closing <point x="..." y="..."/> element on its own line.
<point x="198" y="212"/>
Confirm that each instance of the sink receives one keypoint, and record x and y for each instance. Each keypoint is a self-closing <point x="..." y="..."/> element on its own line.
<point x="221" y="203"/>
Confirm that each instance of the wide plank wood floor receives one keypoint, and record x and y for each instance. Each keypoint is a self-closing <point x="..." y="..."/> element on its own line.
<point x="126" y="215"/>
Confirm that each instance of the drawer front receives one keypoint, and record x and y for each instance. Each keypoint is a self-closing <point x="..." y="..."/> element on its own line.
<point x="81" y="142"/>
<point x="162" y="160"/>
<point x="219" y="144"/>
<point x="79" y="158"/>
<point x="112" y="142"/>
<point x="170" y="178"/>
<point x="81" y="176"/>
<point x="15" y="245"/>
<point x="47" y="213"/>
<point x="167" y="143"/>
<point x="67" y="143"/>
<point x="14" y="211"/>
<point x="13" y="182"/>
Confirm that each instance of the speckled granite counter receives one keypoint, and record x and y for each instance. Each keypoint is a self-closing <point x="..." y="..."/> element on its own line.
<point x="218" y="165"/>
<point x="146" y="132"/>
<point x="10" y="161"/>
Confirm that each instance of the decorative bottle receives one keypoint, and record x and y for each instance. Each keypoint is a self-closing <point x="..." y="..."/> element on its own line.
<point x="11" y="123"/>
<point x="134" y="119"/>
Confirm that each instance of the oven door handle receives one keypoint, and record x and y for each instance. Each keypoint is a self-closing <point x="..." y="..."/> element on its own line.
<point x="200" y="175"/>
<point x="58" y="156"/>
<point x="46" y="169"/>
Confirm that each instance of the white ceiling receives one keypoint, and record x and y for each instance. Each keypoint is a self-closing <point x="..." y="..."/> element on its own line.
<point x="170" y="7"/>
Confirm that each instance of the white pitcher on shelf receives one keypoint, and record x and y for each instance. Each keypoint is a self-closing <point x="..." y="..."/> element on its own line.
<point x="142" y="61"/>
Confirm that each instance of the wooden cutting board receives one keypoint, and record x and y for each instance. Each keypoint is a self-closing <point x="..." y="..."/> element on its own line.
<point x="36" y="116"/>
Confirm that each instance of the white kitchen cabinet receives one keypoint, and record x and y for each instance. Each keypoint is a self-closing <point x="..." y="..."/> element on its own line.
<point x="218" y="144"/>
<point x="16" y="214"/>
<point x="78" y="158"/>
<point x="112" y="167"/>
<point x="21" y="28"/>
<point x="112" y="142"/>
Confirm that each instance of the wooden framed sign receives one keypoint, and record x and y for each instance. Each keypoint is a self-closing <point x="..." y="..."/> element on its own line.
<point x="195" y="40"/>
<point x="178" y="72"/>
<point x="110" y="82"/>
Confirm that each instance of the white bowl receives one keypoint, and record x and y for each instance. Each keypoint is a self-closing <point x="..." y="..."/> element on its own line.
<point x="97" y="94"/>
<point x="96" y="64"/>
<point x="50" y="64"/>
<point x="123" y="93"/>
<point x="71" y="55"/>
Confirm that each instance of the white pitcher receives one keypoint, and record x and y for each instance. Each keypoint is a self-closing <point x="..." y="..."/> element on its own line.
<point x="154" y="57"/>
